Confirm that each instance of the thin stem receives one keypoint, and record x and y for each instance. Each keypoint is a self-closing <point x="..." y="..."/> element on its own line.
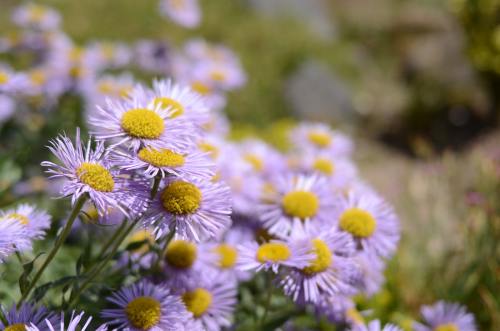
<point x="19" y="258"/>
<point x="156" y="186"/>
<point x="267" y="303"/>
<point x="110" y="241"/>
<point x="103" y="264"/>
<point x="57" y="245"/>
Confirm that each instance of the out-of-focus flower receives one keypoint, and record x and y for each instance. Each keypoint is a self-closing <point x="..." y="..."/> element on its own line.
<point x="35" y="16"/>
<point x="211" y="303"/>
<point x="36" y="222"/>
<point x="195" y="209"/>
<point x="316" y="137"/>
<point x="376" y="326"/>
<point x="7" y="107"/>
<point x="144" y="306"/>
<point x="27" y="315"/>
<point x="186" y="13"/>
<point x="74" y="324"/>
<point x="445" y="316"/>
<point x="153" y="56"/>
<point x="13" y="237"/>
<point x="11" y="82"/>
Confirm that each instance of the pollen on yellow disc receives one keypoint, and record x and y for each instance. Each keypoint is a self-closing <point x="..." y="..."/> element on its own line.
<point x="161" y="157"/>
<point x="18" y="217"/>
<point x="256" y="162"/>
<point x="181" y="254"/>
<point x="143" y="312"/>
<point x="320" y="139"/>
<point x="273" y="252"/>
<point x="16" y="327"/>
<point x="358" y="222"/>
<point x="181" y="198"/>
<point x="446" y="327"/>
<point x="227" y="255"/>
<point x="142" y="123"/>
<point x="212" y="150"/>
<point x="169" y="103"/>
<point x="323" y="258"/>
<point x="197" y="301"/>
<point x="324" y="166"/>
<point x="139" y="236"/>
<point x="4" y="78"/>
<point x="301" y="204"/>
<point x="201" y="88"/>
<point x="96" y="176"/>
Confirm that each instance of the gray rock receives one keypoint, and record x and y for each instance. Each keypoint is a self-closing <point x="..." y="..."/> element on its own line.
<point x="314" y="13"/>
<point x="316" y="93"/>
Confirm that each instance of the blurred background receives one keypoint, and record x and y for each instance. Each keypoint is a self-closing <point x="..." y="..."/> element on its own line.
<point x="415" y="82"/>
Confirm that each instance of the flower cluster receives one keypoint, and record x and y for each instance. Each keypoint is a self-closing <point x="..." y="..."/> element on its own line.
<point x="206" y="214"/>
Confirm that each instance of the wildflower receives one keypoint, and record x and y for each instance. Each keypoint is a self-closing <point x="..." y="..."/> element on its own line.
<point x="13" y="237"/>
<point x="73" y="324"/>
<point x="35" y="222"/>
<point x="369" y="220"/>
<point x="445" y="316"/>
<point x="26" y="315"/>
<point x="87" y="171"/>
<point x="146" y="307"/>
<point x="376" y="326"/>
<point x="183" y="12"/>
<point x="296" y="200"/>
<point x="36" y="16"/>
<point x="195" y="209"/>
<point x="316" y="137"/>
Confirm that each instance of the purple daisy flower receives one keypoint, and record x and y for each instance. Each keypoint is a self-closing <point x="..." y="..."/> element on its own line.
<point x="87" y="171"/>
<point x="186" y="13"/>
<point x="195" y="209"/>
<point x="137" y="121"/>
<point x="318" y="137"/>
<point x="445" y="316"/>
<point x="11" y="82"/>
<point x="370" y="221"/>
<point x="187" y="263"/>
<point x="273" y="254"/>
<point x="74" y="324"/>
<point x="296" y="200"/>
<point x="13" y="237"/>
<point x="211" y="304"/>
<point x="181" y="100"/>
<point x="333" y="271"/>
<point x="372" y="272"/>
<point x="338" y="309"/>
<point x="162" y="161"/>
<point x="26" y="315"/>
<point x="376" y="326"/>
<point x="35" y="16"/>
<point x="36" y="222"/>
<point x="146" y="307"/>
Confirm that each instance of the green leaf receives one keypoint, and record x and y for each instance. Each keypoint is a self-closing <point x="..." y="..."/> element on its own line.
<point x="27" y="269"/>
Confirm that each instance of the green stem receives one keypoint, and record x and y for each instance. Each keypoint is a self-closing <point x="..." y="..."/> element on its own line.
<point x="57" y="245"/>
<point x="156" y="186"/>
<point x="103" y="264"/>
<point x="110" y="241"/>
<point x="267" y="303"/>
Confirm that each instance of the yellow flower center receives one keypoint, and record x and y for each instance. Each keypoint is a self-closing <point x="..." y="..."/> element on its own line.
<point x="273" y="252"/>
<point x="201" y="88"/>
<point x="139" y="236"/>
<point x="143" y="312"/>
<point x="227" y="255"/>
<point x="446" y="327"/>
<point x="301" y="204"/>
<point x="38" y="77"/>
<point x="255" y="161"/>
<point x="161" y="157"/>
<point x="178" y="4"/>
<point x="181" y="198"/>
<point x="106" y="88"/>
<point x="168" y="103"/>
<point x="323" y="258"/>
<point x="181" y="254"/>
<point x="16" y="327"/>
<point x="320" y="139"/>
<point x="324" y="166"/>
<point x="37" y="13"/>
<point x="124" y="91"/>
<point x="197" y="301"/>
<point x="143" y="123"/>
<point x="18" y="217"/>
<point x="218" y="76"/>
<point x="4" y="78"/>
<point x="96" y="176"/>
<point x="212" y="150"/>
<point x="358" y="222"/>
